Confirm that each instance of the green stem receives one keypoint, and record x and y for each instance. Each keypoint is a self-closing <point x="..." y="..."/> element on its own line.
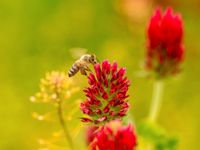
<point x="156" y="100"/>
<point x="63" y="125"/>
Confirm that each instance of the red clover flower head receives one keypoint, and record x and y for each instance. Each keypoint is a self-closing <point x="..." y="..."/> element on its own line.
<point x="165" y="43"/>
<point x="114" y="136"/>
<point x="106" y="94"/>
<point x="91" y="133"/>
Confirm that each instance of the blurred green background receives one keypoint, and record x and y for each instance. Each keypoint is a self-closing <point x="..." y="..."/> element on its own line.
<point x="36" y="36"/>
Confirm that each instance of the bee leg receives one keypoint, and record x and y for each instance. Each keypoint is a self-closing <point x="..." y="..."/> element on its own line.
<point x="87" y="68"/>
<point x="83" y="72"/>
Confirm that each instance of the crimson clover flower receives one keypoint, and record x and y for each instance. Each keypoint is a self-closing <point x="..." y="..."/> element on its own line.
<point x="114" y="136"/>
<point x="106" y="94"/>
<point x="165" y="43"/>
<point x="91" y="133"/>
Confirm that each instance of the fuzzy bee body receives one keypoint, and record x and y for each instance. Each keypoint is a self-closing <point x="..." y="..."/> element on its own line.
<point x="82" y="65"/>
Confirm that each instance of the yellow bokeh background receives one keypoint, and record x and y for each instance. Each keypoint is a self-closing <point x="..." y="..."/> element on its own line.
<point x="37" y="36"/>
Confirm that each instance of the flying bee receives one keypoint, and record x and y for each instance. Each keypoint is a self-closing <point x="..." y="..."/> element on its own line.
<point x="82" y="64"/>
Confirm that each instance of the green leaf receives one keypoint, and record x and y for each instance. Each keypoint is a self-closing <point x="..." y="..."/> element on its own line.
<point x="154" y="136"/>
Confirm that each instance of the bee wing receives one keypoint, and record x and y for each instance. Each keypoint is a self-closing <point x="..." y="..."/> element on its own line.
<point x="77" y="52"/>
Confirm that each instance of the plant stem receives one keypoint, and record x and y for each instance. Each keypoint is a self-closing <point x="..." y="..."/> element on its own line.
<point x="156" y="100"/>
<point x="63" y="125"/>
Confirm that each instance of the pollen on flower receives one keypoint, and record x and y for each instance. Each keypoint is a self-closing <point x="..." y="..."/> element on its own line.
<point x="106" y="95"/>
<point x="165" y="50"/>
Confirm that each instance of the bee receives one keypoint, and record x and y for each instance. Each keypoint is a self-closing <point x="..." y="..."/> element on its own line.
<point x="82" y="64"/>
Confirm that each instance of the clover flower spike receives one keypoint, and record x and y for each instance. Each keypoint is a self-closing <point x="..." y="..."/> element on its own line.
<point x="114" y="136"/>
<point x="165" y="49"/>
<point x="106" y="94"/>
